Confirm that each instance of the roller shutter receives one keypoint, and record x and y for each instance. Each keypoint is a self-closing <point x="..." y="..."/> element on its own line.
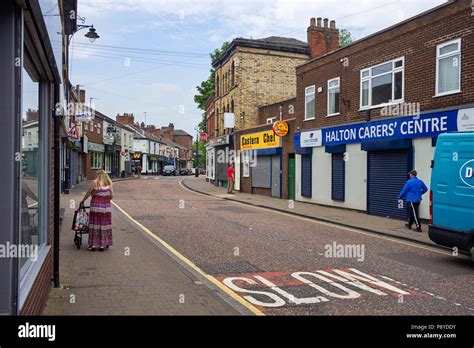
<point x="338" y="177"/>
<point x="306" y="173"/>
<point x="387" y="173"/>
<point x="261" y="176"/>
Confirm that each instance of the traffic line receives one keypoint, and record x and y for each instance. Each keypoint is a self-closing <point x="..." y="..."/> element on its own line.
<point x="184" y="259"/>
<point x="355" y="230"/>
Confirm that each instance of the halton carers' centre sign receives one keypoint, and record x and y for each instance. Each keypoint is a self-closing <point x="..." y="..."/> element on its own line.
<point x="427" y="125"/>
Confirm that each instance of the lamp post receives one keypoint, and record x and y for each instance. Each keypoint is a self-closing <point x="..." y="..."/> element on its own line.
<point x="196" y="174"/>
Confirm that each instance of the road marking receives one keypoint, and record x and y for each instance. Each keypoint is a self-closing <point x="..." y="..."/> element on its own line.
<point x="213" y="280"/>
<point x="354" y="230"/>
<point x="277" y="287"/>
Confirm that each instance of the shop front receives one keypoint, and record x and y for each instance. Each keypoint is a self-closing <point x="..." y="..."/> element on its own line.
<point x="364" y="166"/>
<point x="136" y="159"/>
<point x="29" y="90"/>
<point x="112" y="160"/>
<point x="261" y="163"/>
<point x="95" y="159"/>
<point x="223" y="148"/>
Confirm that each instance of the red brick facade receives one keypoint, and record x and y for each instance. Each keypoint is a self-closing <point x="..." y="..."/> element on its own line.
<point x="416" y="41"/>
<point x="273" y="110"/>
<point x="94" y="135"/>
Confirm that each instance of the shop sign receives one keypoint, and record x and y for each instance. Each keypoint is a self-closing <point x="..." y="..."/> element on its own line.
<point x="222" y="140"/>
<point x="95" y="147"/>
<point x="424" y="126"/>
<point x="153" y="158"/>
<point x="280" y="128"/>
<point x="261" y="140"/>
<point x="136" y="155"/>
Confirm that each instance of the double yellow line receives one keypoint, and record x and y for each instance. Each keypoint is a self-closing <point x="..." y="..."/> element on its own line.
<point x="212" y="279"/>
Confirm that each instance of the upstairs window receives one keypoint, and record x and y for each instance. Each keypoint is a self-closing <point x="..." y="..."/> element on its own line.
<point x="271" y="120"/>
<point x="448" y="67"/>
<point x="382" y="84"/>
<point x="333" y="96"/>
<point x="309" y="102"/>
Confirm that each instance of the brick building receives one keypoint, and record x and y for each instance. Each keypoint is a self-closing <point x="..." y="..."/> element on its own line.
<point x="359" y="128"/>
<point x="211" y="117"/>
<point x="95" y="156"/>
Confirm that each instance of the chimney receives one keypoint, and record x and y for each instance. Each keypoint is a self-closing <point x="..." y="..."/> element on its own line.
<point x="322" y="39"/>
<point x="125" y="119"/>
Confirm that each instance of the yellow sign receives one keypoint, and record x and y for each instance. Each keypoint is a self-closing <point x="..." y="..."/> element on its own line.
<point x="280" y="128"/>
<point x="261" y="140"/>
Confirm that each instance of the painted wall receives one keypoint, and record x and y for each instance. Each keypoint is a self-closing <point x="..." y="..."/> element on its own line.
<point x="423" y="153"/>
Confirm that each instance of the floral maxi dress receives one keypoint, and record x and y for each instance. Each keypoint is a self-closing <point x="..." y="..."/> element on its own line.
<point x="100" y="219"/>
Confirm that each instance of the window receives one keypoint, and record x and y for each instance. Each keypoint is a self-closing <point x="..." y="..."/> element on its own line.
<point x="309" y="102"/>
<point x="86" y="125"/>
<point x="96" y="160"/>
<point x="382" y="84"/>
<point x="333" y="96"/>
<point x="448" y="67"/>
<point x="271" y="120"/>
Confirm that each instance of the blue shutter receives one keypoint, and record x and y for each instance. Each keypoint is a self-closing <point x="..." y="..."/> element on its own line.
<point x="306" y="176"/>
<point x="338" y="177"/>
<point x="387" y="173"/>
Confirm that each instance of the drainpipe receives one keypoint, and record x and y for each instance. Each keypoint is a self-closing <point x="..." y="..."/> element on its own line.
<point x="56" y="209"/>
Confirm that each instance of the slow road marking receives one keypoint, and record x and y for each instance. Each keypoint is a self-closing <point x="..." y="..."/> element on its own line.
<point x="184" y="259"/>
<point x="271" y="289"/>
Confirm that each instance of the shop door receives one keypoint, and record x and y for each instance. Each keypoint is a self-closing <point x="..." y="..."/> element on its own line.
<point x="276" y="186"/>
<point x="387" y="173"/>
<point x="291" y="177"/>
<point x="237" y="172"/>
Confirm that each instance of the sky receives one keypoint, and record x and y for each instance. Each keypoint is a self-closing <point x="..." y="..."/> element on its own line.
<point x="152" y="54"/>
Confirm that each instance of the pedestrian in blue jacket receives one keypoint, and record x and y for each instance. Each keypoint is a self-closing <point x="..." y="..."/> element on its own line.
<point x="413" y="190"/>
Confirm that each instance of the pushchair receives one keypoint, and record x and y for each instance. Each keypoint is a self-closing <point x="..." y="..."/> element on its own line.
<point x="80" y="224"/>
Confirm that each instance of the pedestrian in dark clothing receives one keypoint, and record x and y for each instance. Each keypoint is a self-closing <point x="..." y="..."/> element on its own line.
<point x="413" y="190"/>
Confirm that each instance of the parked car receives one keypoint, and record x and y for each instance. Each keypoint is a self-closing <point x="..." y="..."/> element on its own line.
<point x="169" y="170"/>
<point x="452" y="192"/>
<point x="193" y="170"/>
<point x="184" y="171"/>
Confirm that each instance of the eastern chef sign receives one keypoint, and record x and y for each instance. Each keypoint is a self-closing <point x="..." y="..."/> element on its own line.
<point x="261" y="140"/>
<point x="427" y="125"/>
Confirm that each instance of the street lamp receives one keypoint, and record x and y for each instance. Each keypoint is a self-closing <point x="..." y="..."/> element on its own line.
<point x="91" y="34"/>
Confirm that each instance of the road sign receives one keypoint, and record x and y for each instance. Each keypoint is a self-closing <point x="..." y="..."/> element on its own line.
<point x="73" y="132"/>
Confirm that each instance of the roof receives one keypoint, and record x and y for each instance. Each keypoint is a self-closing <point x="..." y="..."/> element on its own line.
<point x="275" y="43"/>
<point x="181" y="132"/>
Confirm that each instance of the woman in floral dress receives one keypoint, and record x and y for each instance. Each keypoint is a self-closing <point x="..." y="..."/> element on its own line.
<point x="100" y="217"/>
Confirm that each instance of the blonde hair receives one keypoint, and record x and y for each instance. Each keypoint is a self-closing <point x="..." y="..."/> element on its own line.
<point x="103" y="179"/>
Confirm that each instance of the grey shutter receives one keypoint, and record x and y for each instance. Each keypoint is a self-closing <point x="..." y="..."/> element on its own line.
<point x="306" y="180"/>
<point x="261" y="172"/>
<point x="338" y="177"/>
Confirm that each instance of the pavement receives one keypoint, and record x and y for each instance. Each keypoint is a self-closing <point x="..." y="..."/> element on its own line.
<point x="343" y="217"/>
<point x="285" y="264"/>
<point x="134" y="277"/>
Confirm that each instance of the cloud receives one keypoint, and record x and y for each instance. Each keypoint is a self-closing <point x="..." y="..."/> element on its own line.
<point x="166" y="88"/>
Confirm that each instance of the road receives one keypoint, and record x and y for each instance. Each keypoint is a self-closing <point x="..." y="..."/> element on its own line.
<point x="285" y="265"/>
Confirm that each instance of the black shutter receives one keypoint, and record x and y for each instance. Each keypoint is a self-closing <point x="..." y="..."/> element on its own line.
<point x="306" y="175"/>
<point x="387" y="173"/>
<point x="338" y="177"/>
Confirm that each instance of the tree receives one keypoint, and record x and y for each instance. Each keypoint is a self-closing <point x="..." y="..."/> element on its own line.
<point x="208" y="86"/>
<point x="201" y="155"/>
<point x="345" y="37"/>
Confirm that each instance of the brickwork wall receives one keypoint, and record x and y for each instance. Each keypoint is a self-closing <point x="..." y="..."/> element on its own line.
<point x="416" y="41"/>
<point x="261" y="77"/>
